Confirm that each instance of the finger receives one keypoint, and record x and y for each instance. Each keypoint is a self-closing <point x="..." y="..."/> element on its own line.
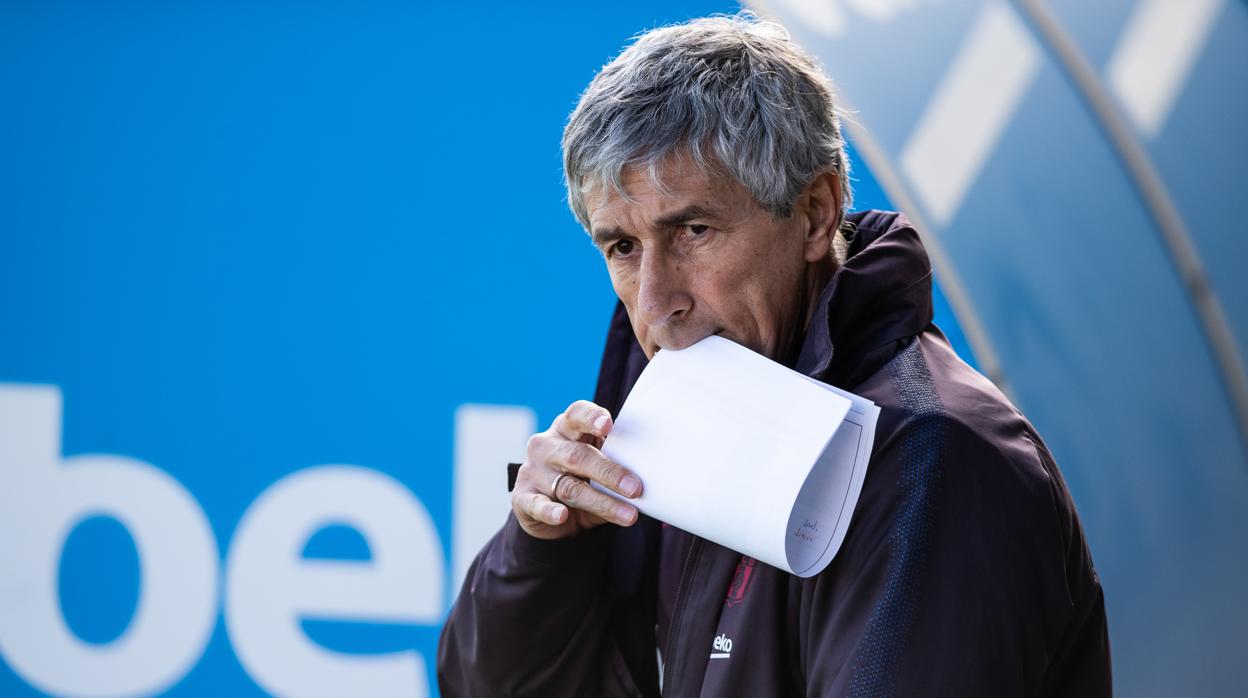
<point x="539" y="507"/>
<point x="562" y="430"/>
<point x="583" y="418"/>
<point x="578" y="494"/>
<point x="532" y="477"/>
<point x="584" y="460"/>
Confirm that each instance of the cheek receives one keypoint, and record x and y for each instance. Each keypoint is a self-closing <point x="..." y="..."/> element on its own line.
<point x="624" y="284"/>
<point x="752" y="292"/>
<point x="730" y="294"/>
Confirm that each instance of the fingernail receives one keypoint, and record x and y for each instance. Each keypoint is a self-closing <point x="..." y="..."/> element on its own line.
<point x="624" y="514"/>
<point x="630" y="486"/>
<point x="600" y="423"/>
<point x="555" y="511"/>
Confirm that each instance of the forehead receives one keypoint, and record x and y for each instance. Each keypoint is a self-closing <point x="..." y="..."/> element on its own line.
<point x="683" y="185"/>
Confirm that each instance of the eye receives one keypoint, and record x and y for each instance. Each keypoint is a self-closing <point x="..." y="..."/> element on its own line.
<point x="697" y="229"/>
<point x="621" y="247"/>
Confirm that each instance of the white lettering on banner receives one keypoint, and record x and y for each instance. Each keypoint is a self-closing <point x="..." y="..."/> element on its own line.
<point x="41" y="500"/>
<point x="269" y="587"/>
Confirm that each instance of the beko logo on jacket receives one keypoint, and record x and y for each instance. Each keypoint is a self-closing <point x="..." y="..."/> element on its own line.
<point x="722" y="647"/>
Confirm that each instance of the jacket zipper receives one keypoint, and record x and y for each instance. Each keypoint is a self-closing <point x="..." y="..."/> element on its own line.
<point x="678" y="607"/>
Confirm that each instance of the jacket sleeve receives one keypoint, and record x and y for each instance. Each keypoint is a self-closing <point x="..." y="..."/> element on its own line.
<point x="530" y="619"/>
<point x="964" y="574"/>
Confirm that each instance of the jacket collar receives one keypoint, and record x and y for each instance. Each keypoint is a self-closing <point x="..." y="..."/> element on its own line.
<point x="880" y="295"/>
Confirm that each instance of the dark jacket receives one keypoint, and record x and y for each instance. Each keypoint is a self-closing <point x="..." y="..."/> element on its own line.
<point x="964" y="571"/>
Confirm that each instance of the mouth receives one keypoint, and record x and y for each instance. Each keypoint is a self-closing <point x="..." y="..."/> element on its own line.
<point x="654" y="349"/>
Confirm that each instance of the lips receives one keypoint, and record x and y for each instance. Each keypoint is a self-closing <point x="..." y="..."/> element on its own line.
<point x="676" y="343"/>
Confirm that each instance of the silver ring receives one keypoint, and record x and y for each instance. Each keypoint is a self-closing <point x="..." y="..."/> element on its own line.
<point x="554" y="487"/>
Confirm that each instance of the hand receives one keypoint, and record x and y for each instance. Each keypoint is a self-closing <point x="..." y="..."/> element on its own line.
<point x="571" y="446"/>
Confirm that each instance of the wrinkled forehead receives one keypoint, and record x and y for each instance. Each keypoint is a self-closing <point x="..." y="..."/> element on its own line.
<point x="677" y="183"/>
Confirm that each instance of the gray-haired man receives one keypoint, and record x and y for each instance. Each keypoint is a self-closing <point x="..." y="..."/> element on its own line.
<point x="706" y="161"/>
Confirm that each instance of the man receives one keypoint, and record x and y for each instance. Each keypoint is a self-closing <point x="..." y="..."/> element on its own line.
<point x="707" y="163"/>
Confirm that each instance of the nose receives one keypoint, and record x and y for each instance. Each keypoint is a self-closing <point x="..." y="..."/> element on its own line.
<point x="662" y="292"/>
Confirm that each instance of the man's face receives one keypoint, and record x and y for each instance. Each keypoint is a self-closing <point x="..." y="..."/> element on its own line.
<point x="704" y="259"/>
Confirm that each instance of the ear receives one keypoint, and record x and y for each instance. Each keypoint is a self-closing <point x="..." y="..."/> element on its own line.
<point x="822" y="201"/>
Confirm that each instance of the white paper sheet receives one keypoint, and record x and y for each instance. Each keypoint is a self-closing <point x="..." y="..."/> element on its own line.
<point x="742" y="451"/>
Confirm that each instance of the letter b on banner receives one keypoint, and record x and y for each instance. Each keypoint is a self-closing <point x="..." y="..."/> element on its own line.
<point x="42" y="499"/>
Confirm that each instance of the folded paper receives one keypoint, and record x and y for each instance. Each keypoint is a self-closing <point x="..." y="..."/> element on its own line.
<point x="742" y="451"/>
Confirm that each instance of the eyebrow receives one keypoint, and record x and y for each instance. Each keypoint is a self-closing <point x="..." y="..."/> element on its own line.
<point x="605" y="236"/>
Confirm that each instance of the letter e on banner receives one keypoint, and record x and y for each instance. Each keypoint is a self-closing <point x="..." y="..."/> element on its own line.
<point x="270" y="587"/>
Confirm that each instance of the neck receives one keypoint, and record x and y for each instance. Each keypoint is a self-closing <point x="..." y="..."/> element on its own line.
<point x="817" y="276"/>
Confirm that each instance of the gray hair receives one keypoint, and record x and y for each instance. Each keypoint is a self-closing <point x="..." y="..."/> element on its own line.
<point x="732" y="92"/>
